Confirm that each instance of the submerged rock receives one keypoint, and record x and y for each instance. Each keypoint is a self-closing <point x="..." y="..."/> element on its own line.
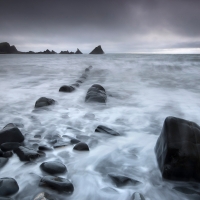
<point x="43" y="101"/>
<point x="81" y="146"/>
<point x="44" y="196"/>
<point x="74" y="141"/>
<point x="177" y="150"/>
<point x="53" y="167"/>
<point x="11" y="134"/>
<point x="104" y="129"/>
<point x="121" y="180"/>
<point x="26" y="154"/>
<point x="57" y="183"/>
<point x="66" y="88"/>
<point x="97" y="50"/>
<point x="137" y="196"/>
<point x="96" y="93"/>
<point x="3" y="161"/>
<point x="8" y="186"/>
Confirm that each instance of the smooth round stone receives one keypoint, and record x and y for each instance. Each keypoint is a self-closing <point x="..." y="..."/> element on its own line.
<point x="81" y="146"/>
<point x="9" y="146"/>
<point x="137" y="196"/>
<point x="57" y="183"/>
<point x="8" y="186"/>
<point x="53" y="167"/>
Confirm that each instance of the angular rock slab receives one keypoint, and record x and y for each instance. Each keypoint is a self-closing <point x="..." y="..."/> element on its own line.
<point x="81" y="146"/>
<point x="137" y="196"/>
<point x="26" y="154"/>
<point x="9" y="146"/>
<point x="57" y="183"/>
<point x="11" y="134"/>
<point x="96" y="94"/>
<point x="43" y="101"/>
<point x="3" y="161"/>
<point x="53" y="167"/>
<point x="178" y="150"/>
<point x="104" y="129"/>
<point x="8" y="186"/>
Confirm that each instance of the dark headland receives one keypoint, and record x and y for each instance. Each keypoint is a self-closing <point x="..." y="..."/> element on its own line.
<point x="6" y="48"/>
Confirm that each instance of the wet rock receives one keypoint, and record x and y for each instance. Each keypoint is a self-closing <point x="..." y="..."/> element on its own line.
<point x="26" y="154"/>
<point x="3" y="161"/>
<point x="5" y="198"/>
<point x="9" y="146"/>
<point x="45" y="148"/>
<point x="43" y="101"/>
<point x="60" y="144"/>
<point x="13" y="125"/>
<point x="75" y="85"/>
<point x="96" y="93"/>
<point x="57" y="183"/>
<point x="104" y="129"/>
<point x="7" y="154"/>
<point x="97" y="50"/>
<point x="186" y="190"/>
<point x="121" y="180"/>
<point x="37" y="136"/>
<point x="177" y="150"/>
<point x="89" y="116"/>
<point x="8" y="186"/>
<point x="53" y="167"/>
<point x="44" y="196"/>
<point x="11" y="134"/>
<point x="137" y="196"/>
<point x="74" y="141"/>
<point x="81" y="147"/>
<point x="78" y="52"/>
<point x="66" y="88"/>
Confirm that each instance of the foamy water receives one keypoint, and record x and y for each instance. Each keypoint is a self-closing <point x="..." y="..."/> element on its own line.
<point x="142" y="91"/>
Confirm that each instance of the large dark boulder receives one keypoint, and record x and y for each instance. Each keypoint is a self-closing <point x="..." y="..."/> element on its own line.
<point x="97" y="50"/>
<point x="66" y="88"/>
<point x="8" y="186"/>
<point x="57" y="183"/>
<point x="26" y="154"/>
<point x="9" y="146"/>
<point x="3" y="161"/>
<point x="6" y="48"/>
<point x="53" y="167"/>
<point x="43" y="101"/>
<point x="96" y="93"/>
<point x="78" y="52"/>
<point x="81" y="146"/>
<point x="11" y="134"/>
<point x="177" y="150"/>
<point x="104" y="129"/>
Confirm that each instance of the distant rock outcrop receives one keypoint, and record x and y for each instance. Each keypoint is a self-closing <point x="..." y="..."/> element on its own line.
<point x="47" y="52"/>
<point x="78" y="52"/>
<point x="64" y="52"/>
<point x="97" y="50"/>
<point x="6" y="48"/>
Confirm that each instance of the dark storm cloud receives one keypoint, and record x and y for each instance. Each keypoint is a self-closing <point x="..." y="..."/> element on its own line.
<point x="119" y="25"/>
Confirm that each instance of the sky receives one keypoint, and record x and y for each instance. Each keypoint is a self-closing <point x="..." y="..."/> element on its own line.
<point x="119" y="26"/>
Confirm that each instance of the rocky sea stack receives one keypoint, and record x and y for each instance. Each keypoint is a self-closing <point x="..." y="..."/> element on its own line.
<point x="97" y="50"/>
<point x="5" y="48"/>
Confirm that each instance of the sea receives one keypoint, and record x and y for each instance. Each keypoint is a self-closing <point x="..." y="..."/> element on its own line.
<point x="142" y="90"/>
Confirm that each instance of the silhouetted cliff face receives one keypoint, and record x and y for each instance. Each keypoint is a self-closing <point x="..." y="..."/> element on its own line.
<point x="97" y="50"/>
<point x="78" y="52"/>
<point x="6" y="48"/>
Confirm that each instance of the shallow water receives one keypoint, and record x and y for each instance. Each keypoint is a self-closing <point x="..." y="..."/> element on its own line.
<point x="142" y="91"/>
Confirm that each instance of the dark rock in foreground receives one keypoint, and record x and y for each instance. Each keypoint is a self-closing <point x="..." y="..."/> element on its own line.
<point x="5" y="48"/>
<point x="121" y="180"/>
<point x="66" y="88"/>
<point x="104" y="129"/>
<point x="9" y="146"/>
<point x="81" y="146"/>
<point x="8" y="186"/>
<point x="26" y="154"/>
<point x="137" y="196"/>
<point x="3" y="161"/>
<point x="177" y="150"/>
<point x="53" y="167"/>
<point x="57" y="183"/>
<point x="96" y="94"/>
<point x="97" y="50"/>
<point x="11" y="134"/>
<point x="78" y="52"/>
<point x="43" y="101"/>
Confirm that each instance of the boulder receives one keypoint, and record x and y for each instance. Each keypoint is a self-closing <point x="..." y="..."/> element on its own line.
<point x="78" y="52"/>
<point x="3" y="161"/>
<point x="53" y="167"/>
<point x="9" y="146"/>
<point x="5" y="48"/>
<point x="11" y="134"/>
<point x="43" y="101"/>
<point x="104" y="129"/>
<point x="7" y="154"/>
<point x="26" y="154"/>
<point x="96" y="94"/>
<point x="177" y="150"/>
<point x="81" y="146"/>
<point x="8" y="186"/>
<point x="137" y="196"/>
<point x="97" y="50"/>
<point x="57" y="183"/>
<point x="66" y="88"/>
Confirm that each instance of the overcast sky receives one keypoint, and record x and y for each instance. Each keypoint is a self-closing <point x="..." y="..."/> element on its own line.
<point x="117" y="25"/>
